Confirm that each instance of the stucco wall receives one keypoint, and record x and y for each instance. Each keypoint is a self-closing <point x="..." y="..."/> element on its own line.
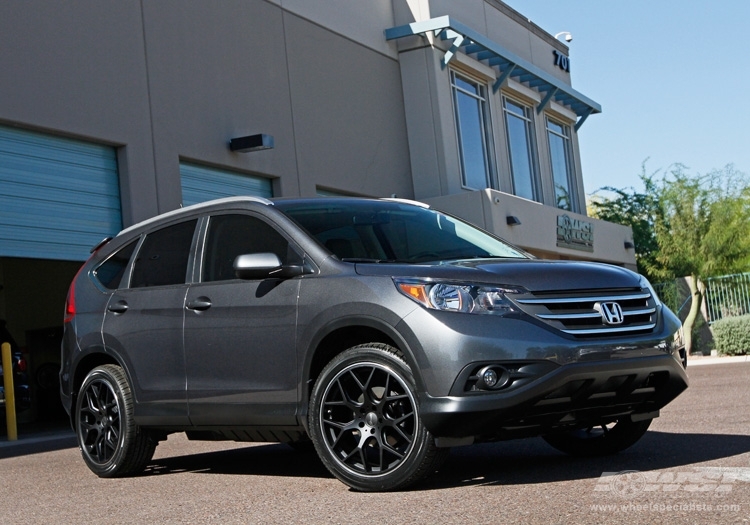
<point x="177" y="79"/>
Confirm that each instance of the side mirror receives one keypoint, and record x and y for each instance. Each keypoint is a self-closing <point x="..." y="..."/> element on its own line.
<point x="263" y="266"/>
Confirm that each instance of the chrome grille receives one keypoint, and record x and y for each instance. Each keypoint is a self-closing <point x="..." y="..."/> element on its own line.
<point x="593" y="313"/>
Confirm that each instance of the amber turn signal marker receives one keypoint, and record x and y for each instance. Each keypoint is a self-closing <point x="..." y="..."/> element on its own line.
<point x="415" y="290"/>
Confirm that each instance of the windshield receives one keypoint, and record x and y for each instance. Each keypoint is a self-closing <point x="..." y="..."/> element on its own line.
<point x="387" y="231"/>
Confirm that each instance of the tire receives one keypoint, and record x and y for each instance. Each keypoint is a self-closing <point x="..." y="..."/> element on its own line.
<point x="603" y="440"/>
<point x="364" y="421"/>
<point x="111" y="443"/>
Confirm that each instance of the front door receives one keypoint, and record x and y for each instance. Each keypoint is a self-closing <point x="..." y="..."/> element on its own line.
<point x="240" y="335"/>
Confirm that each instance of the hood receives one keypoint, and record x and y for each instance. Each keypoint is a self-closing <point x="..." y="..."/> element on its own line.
<point x="533" y="274"/>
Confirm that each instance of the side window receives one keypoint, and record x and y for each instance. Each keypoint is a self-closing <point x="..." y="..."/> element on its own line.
<point x="233" y="235"/>
<point x="163" y="258"/>
<point x="110" y="272"/>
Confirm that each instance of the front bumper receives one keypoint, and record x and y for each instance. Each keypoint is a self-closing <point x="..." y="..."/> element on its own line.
<point x="573" y="395"/>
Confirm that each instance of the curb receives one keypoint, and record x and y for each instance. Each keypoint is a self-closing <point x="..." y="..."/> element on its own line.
<point x="695" y="361"/>
<point x="37" y="437"/>
<point x="36" y="442"/>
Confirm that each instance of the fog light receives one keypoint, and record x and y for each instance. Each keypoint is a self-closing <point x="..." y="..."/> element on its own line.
<point x="489" y="377"/>
<point x="492" y="377"/>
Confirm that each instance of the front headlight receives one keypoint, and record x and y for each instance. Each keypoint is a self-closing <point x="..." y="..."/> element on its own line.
<point x="458" y="297"/>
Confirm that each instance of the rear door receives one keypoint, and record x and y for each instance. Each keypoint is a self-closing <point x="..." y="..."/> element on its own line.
<point x="240" y="335"/>
<point x="144" y="324"/>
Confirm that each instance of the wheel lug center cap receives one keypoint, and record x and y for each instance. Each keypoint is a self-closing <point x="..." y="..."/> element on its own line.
<point x="371" y="419"/>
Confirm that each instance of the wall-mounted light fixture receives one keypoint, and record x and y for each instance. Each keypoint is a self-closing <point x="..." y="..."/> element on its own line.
<point x="251" y="143"/>
<point x="629" y="245"/>
<point x="512" y="220"/>
<point x="566" y="35"/>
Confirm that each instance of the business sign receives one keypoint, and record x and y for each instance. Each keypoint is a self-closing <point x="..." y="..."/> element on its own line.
<point x="575" y="233"/>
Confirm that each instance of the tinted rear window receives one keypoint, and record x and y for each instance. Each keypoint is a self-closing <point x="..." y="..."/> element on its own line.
<point x="111" y="271"/>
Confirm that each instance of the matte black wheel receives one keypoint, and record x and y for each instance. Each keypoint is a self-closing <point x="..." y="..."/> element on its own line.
<point x="111" y="444"/>
<point x="601" y="440"/>
<point x="365" y="424"/>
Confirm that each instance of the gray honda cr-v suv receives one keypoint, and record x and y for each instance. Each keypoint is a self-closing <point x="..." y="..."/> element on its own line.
<point x="381" y="330"/>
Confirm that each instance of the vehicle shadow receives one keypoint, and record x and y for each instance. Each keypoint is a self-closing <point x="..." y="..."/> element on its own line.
<point x="272" y="459"/>
<point x="527" y="461"/>
<point x="533" y="461"/>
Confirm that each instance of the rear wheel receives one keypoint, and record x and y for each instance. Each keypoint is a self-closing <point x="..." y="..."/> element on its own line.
<point x="600" y="440"/>
<point x="365" y="424"/>
<point x="111" y="443"/>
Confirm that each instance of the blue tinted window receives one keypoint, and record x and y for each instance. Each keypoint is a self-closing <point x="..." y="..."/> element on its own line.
<point x="559" y="151"/>
<point x="519" y="133"/>
<point x="470" y="104"/>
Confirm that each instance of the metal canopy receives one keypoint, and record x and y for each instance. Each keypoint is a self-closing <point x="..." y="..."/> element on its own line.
<point x="507" y="64"/>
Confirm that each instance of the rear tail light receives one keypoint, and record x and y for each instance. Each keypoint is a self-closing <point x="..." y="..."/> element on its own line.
<point x="70" y="303"/>
<point x="70" y="300"/>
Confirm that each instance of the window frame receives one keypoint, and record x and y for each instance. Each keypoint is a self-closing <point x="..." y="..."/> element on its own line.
<point x="485" y="121"/>
<point x="565" y="137"/>
<point x="531" y="147"/>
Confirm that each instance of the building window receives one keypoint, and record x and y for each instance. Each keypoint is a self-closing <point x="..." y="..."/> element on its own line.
<point x="519" y="130"/>
<point x="562" y="170"/>
<point x="470" y="104"/>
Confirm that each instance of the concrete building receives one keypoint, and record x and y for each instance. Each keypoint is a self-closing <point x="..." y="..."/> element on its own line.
<point x="112" y="112"/>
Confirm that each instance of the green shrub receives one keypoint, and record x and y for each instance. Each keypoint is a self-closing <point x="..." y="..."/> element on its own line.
<point x="732" y="335"/>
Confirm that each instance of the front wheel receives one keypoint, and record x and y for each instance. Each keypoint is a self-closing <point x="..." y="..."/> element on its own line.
<point x="111" y="443"/>
<point x="600" y="440"/>
<point x="364" y="421"/>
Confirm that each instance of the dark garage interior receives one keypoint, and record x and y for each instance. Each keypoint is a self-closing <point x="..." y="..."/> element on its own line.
<point x="32" y="299"/>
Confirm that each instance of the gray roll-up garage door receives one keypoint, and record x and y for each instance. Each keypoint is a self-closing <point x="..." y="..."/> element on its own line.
<point x="202" y="183"/>
<point x="58" y="196"/>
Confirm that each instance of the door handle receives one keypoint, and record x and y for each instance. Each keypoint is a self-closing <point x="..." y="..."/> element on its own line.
<point x="120" y="307"/>
<point x="199" y="304"/>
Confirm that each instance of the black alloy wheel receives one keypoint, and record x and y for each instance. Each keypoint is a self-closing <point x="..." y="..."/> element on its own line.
<point x="111" y="444"/>
<point x="364" y="421"/>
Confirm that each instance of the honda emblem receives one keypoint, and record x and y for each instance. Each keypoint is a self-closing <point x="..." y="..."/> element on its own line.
<point x="611" y="313"/>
